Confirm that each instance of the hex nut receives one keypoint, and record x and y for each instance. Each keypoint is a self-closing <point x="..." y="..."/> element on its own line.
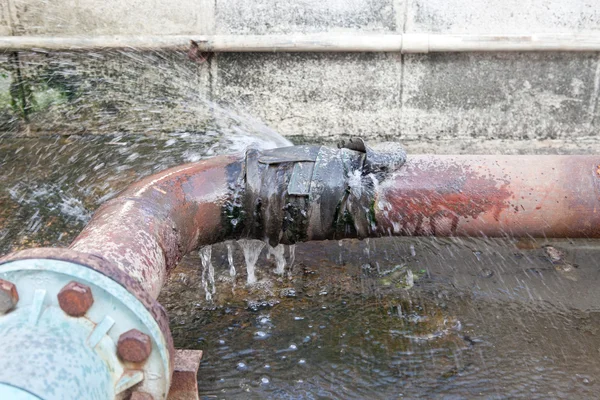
<point x="9" y="297"/>
<point x="134" y="346"/>
<point x="75" y="299"/>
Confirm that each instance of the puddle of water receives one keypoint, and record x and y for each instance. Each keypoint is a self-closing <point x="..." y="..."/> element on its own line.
<point x="483" y="319"/>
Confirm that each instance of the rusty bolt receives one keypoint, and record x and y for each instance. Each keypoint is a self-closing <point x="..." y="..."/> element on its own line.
<point x="134" y="346"/>
<point x="141" y="396"/>
<point x="8" y="295"/>
<point x="75" y="298"/>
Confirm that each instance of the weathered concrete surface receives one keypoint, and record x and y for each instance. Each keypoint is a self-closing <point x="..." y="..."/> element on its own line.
<point x="314" y="96"/>
<point x="490" y="103"/>
<point x="501" y="17"/>
<point x="112" y="17"/>
<point x="499" y="96"/>
<point x="5" y="19"/>
<point x="305" y="16"/>
<point x="9" y="107"/>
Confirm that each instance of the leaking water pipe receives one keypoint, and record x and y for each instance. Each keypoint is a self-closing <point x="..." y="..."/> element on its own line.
<point x="89" y="312"/>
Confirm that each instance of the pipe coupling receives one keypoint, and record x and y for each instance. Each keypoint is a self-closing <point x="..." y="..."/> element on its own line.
<point x="305" y="193"/>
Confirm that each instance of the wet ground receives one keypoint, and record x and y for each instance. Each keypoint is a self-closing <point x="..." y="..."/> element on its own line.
<point x="385" y="318"/>
<point x="484" y="319"/>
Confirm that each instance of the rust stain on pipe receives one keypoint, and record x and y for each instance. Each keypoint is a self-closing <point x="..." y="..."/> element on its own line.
<point x="545" y="196"/>
<point x="149" y="227"/>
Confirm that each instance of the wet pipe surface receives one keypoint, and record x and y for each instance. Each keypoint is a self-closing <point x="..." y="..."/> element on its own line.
<point x="523" y="196"/>
<point x="432" y="203"/>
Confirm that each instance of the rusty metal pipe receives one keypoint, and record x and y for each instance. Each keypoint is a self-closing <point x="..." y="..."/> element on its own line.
<point x="150" y="226"/>
<point x="539" y="196"/>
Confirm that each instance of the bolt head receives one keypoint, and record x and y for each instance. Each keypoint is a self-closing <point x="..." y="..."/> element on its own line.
<point x="134" y="346"/>
<point x="8" y="296"/>
<point x="75" y="299"/>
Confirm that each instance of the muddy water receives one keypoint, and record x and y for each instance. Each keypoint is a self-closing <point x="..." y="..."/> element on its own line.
<point x="385" y="318"/>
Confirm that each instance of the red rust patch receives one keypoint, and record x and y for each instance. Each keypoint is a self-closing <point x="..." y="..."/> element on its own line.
<point x="134" y="346"/>
<point x="184" y="385"/>
<point x="8" y="295"/>
<point x="426" y="203"/>
<point x="75" y="299"/>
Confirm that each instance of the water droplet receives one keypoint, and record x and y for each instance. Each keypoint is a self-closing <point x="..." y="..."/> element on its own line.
<point x="287" y="292"/>
<point x="208" y="272"/>
<point x="413" y="252"/>
<point x="261" y="334"/>
<point x="230" y="258"/>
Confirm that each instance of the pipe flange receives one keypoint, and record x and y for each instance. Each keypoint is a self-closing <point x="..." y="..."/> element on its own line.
<point x="68" y="322"/>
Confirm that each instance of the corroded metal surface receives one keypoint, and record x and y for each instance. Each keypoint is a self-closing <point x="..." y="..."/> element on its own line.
<point x="134" y="346"/>
<point x="101" y="265"/>
<point x="540" y="196"/>
<point x="8" y="295"/>
<point x="184" y="385"/>
<point x="75" y="299"/>
<point x="147" y="229"/>
<point x="115" y="311"/>
<point x="140" y="396"/>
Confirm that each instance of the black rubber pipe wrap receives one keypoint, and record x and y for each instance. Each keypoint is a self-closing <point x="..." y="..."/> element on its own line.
<point x="305" y="193"/>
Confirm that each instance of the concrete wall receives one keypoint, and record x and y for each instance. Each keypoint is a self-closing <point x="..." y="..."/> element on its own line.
<point x="530" y="102"/>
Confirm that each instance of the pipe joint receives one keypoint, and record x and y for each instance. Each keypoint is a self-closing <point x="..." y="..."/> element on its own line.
<point x="71" y="319"/>
<point x="304" y="193"/>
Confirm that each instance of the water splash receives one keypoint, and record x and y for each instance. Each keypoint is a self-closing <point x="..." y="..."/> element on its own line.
<point x="208" y="272"/>
<point x="278" y="252"/>
<point x="292" y="250"/>
<point x="251" y="249"/>
<point x="230" y="259"/>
